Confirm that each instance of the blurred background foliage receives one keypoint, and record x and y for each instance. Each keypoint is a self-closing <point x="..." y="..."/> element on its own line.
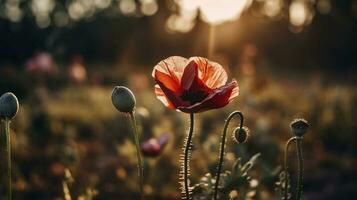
<point x="292" y="58"/>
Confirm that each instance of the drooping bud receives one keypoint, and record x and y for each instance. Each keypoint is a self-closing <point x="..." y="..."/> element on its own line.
<point x="9" y="106"/>
<point x="123" y="99"/>
<point x="240" y="135"/>
<point x="299" y="127"/>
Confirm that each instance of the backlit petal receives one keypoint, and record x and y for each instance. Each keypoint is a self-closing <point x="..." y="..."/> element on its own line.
<point x="234" y="93"/>
<point x="162" y="97"/>
<point x="167" y="80"/>
<point x="211" y="73"/>
<point x="189" y="75"/>
<point x="171" y="96"/>
<point x="217" y="99"/>
<point x="172" y="66"/>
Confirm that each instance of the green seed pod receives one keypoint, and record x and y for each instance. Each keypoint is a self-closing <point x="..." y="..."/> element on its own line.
<point x="9" y="106"/>
<point x="240" y="135"/>
<point x="299" y="127"/>
<point x="123" y="99"/>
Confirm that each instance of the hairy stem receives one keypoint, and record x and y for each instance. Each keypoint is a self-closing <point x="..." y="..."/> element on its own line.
<point x="222" y="146"/>
<point x="8" y="149"/>
<point x="186" y="166"/>
<point x="286" y="167"/>
<point x="300" y="168"/>
<point x="138" y="154"/>
<point x="66" y="192"/>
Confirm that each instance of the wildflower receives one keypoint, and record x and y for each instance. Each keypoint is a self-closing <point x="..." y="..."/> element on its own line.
<point x="9" y="106"/>
<point x="41" y="63"/>
<point x="77" y="70"/>
<point x="154" y="146"/>
<point x="193" y="85"/>
<point x="123" y="99"/>
<point x="299" y="127"/>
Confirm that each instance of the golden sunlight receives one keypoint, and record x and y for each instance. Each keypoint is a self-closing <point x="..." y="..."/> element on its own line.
<point x="297" y="13"/>
<point x="217" y="12"/>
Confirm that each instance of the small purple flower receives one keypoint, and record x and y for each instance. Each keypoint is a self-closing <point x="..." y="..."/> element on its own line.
<point x="163" y="139"/>
<point x="153" y="147"/>
<point x="41" y="63"/>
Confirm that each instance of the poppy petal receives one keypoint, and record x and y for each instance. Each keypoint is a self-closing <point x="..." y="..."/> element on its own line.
<point x="217" y="99"/>
<point x="189" y="75"/>
<point x="235" y="92"/>
<point x="162" y="97"/>
<point x="168" y="81"/>
<point x="171" y="96"/>
<point x="172" y="66"/>
<point x="211" y="73"/>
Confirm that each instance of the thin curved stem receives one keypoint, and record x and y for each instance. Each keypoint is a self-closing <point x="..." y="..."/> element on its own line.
<point x="286" y="167"/>
<point x="300" y="168"/>
<point x="222" y="145"/>
<point x="186" y="158"/>
<point x="8" y="149"/>
<point x="138" y="154"/>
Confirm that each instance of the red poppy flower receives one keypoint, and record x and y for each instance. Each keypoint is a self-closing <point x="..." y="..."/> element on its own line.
<point x="193" y="85"/>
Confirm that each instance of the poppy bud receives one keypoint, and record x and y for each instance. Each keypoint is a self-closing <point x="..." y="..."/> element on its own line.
<point x="9" y="106"/>
<point x="299" y="127"/>
<point x="123" y="99"/>
<point x="240" y="135"/>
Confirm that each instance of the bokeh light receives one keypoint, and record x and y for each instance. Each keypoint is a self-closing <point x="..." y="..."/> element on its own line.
<point x="127" y="7"/>
<point x="217" y="12"/>
<point x="324" y="6"/>
<point x="272" y="8"/>
<point x="149" y="7"/>
<point x="12" y="10"/>
<point x="297" y="13"/>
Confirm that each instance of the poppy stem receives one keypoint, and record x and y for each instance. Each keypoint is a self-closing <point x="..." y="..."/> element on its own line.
<point x="286" y="167"/>
<point x="300" y="168"/>
<point x="66" y="192"/>
<point x="138" y="154"/>
<point x="299" y="165"/>
<point x="8" y="149"/>
<point x="186" y="164"/>
<point x="222" y="146"/>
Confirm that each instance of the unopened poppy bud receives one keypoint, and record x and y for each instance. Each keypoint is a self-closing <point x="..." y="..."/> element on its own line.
<point x="123" y="99"/>
<point x="240" y="135"/>
<point x="299" y="127"/>
<point x="9" y="106"/>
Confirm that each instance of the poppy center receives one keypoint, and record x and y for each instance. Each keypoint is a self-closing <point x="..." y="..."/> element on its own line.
<point x="197" y="92"/>
<point x="194" y="97"/>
